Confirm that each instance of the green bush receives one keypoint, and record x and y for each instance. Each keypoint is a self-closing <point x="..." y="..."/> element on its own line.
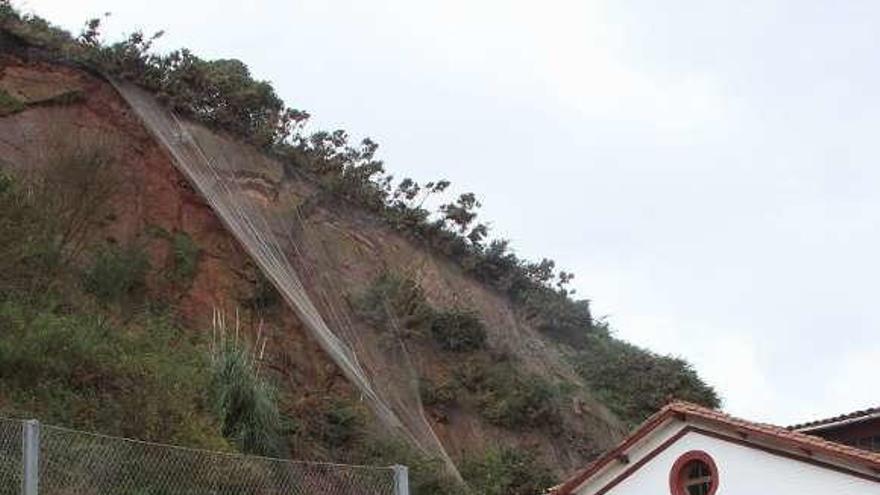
<point x="433" y="394"/>
<point x="566" y="321"/>
<point x="509" y="397"/>
<point x="394" y="301"/>
<point x="427" y="476"/>
<point x="186" y="257"/>
<point x="635" y="382"/>
<point x="219" y="92"/>
<point x="9" y="104"/>
<point x="521" y="401"/>
<point x="340" y="424"/>
<point x="507" y="471"/>
<point x="458" y="331"/>
<point x="265" y="296"/>
<point x="117" y="273"/>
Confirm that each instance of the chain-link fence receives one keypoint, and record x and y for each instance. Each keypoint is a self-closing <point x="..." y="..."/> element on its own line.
<point x="11" y="468"/>
<point x="47" y="460"/>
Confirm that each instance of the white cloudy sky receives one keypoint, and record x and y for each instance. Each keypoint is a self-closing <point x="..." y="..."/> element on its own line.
<point x="708" y="169"/>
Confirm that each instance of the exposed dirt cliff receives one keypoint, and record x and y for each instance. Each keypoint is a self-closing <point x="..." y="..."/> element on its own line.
<point x="155" y="202"/>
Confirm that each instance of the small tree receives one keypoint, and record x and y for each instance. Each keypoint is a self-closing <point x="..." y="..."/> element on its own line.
<point x="461" y="213"/>
<point x="458" y="331"/>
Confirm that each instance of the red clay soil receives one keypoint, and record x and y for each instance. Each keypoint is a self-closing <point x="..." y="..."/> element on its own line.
<point x="155" y="201"/>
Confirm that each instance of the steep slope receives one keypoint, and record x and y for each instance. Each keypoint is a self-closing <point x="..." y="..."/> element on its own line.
<point x="513" y="386"/>
<point x="345" y="245"/>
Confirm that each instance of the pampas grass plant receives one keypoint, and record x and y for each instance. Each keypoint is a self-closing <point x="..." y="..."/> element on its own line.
<point x="242" y="398"/>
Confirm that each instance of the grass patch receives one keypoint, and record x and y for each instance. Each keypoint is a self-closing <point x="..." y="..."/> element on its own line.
<point x="427" y="476"/>
<point x="9" y="104"/>
<point x="117" y="274"/>
<point x="145" y="379"/>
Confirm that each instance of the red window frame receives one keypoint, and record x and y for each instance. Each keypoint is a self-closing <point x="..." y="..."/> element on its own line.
<point x="677" y="471"/>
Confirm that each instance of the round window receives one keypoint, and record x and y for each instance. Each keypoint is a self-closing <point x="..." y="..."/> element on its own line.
<point x="694" y="473"/>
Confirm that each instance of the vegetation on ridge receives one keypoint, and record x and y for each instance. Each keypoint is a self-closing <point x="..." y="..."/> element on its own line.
<point x="634" y="382"/>
<point x="223" y="94"/>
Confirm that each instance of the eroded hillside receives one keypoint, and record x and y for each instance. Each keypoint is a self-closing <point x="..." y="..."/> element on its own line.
<point x="494" y="375"/>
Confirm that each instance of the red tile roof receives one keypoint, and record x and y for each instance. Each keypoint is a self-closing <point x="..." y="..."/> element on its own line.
<point x="777" y="434"/>
<point x="855" y="416"/>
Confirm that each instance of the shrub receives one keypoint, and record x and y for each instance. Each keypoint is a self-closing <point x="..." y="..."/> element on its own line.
<point x="340" y="425"/>
<point x="507" y="471"/>
<point x="433" y="394"/>
<point x="186" y="257"/>
<point x="219" y="92"/>
<point x="393" y="301"/>
<point x="265" y="296"/>
<point x="427" y="476"/>
<point x="566" y="321"/>
<point x="9" y="104"/>
<point x="392" y="296"/>
<point x="458" y="331"/>
<point x="75" y="189"/>
<point x="117" y="273"/>
<point x="635" y="382"/>
<point x="509" y="397"/>
<point x="521" y="401"/>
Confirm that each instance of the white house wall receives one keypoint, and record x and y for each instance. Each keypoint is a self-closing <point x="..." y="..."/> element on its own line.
<point x="742" y="471"/>
<point x="648" y="444"/>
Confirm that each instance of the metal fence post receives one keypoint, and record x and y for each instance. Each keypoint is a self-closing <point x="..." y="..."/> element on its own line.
<point x="401" y="480"/>
<point x="30" y="456"/>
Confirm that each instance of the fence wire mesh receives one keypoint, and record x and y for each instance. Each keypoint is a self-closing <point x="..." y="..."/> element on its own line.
<point x="74" y="462"/>
<point x="10" y="456"/>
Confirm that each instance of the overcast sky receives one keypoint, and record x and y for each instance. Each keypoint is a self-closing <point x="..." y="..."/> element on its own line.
<point x="707" y="169"/>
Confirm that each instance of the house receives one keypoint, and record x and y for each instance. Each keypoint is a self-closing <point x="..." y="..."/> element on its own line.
<point x="686" y="449"/>
<point x="859" y="429"/>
